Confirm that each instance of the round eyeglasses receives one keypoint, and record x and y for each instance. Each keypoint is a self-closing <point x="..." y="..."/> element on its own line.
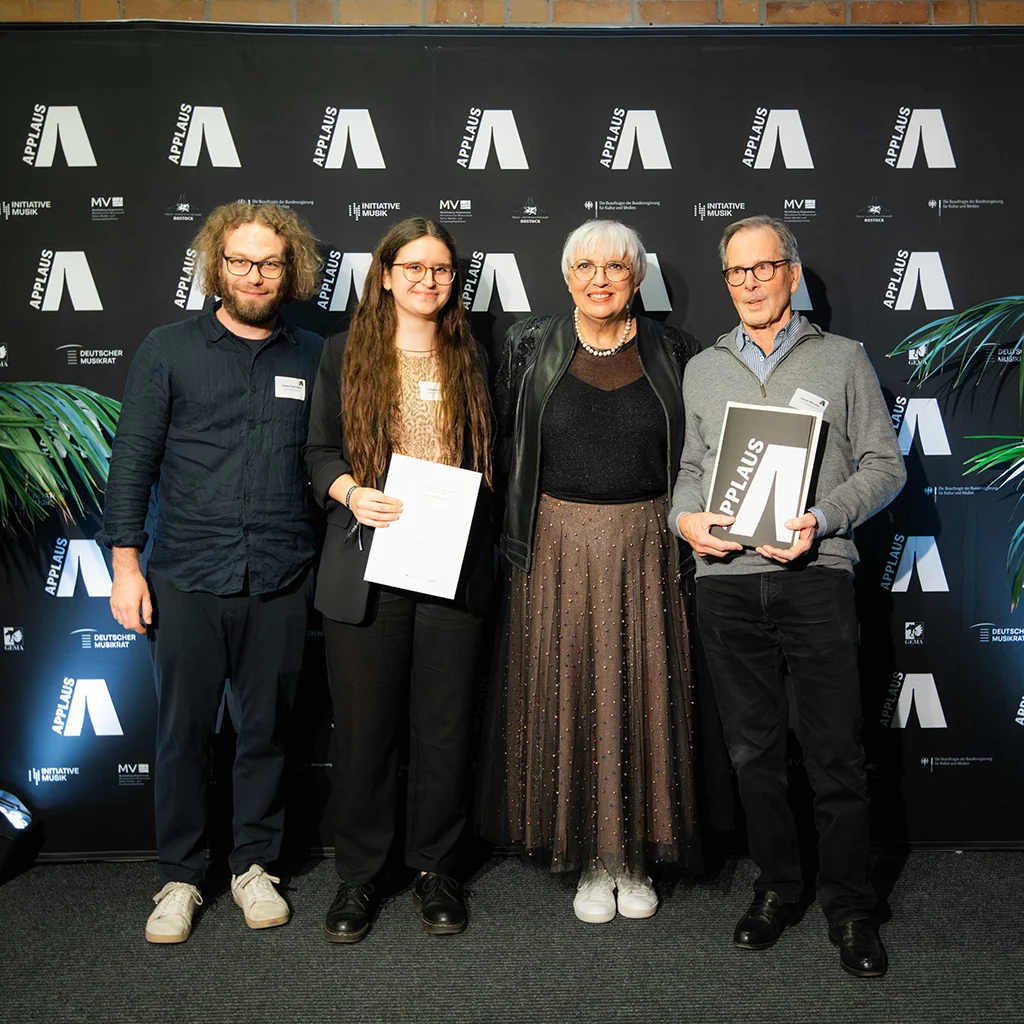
<point x="415" y="272"/>
<point x="584" y="270"/>
<point x="241" y="267"/>
<point x="763" y="271"/>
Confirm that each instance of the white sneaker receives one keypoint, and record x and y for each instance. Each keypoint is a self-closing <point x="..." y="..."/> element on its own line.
<point x="175" y="903"/>
<point x="636" y="897"/>
<point x="595" y="896"/>
<point x="262" y="904"/>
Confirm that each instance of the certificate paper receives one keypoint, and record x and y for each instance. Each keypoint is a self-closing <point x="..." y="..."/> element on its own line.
<point x="424" y="548"/>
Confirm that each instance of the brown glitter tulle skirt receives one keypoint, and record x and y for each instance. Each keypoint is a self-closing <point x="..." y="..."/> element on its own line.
<point x="587" y="735"/>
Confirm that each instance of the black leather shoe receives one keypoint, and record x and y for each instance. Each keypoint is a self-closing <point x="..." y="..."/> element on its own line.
<point x="861" y="952"/>
<point x="762" y="924"/>
<point x="348" y="919"/>
<point x="438" y="901"/>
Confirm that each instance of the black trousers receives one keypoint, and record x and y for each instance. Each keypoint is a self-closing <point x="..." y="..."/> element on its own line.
<point x="749" y="624"/>
<point x="197" y="640"/>
<point x="424" y="654"/>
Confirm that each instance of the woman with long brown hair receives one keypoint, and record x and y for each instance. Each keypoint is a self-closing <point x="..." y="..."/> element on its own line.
<point x="406" y="377"/>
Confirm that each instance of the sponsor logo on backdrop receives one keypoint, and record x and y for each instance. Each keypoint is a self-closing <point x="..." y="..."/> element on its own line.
<point x="133" y="774"/>
<point x="1020" y="713"/>
<point x="41" y="776"/>
<point x="47" y="126"/>
<point x="3" y="357"/>
<point x="635" y="129"/>
<point x="344" y="277"/>
<point x="196" y="125"/>
<point x="991" y="633"/>
<point x="915" y="355"/>
<point x="253" y="201"/>
<point x="913" y="633"/>
<point x="188" y="294"/>
<point x="93" y="640"/>
<point x="14" y="638"/>
<point x="530" y="213"/>
<point x="23" y="207"/>
<point x="85" y="698"/>
<point x="183" y="210"/>
<point x="492" y="272"/>
<point x="344" y="129"/>
<point x="958" y="491"/>
<point x="1008" y="353"/>
<point x="907" y="553"/>
<point x="874" y="212"/>
<point x="72" y="559"/>
<point x="107" y="208"/>
<point x="491" y="128"/>
<point x="57" y="270"/>
<point x="799" y="211"/>
<point x="78" y="355"/>
<point x="917" y="270"/>
<point x="941" y="206"/>
<point x="653" y="292"/>
<point x="455" y="211"/>
<point x="921" y="417"/>
<point x="961" y="761"/>
<point x="604" y="207"/>
<point x="376" y="210"/>
<point x="915" y="690"/>
<point x="777" y="129"/>
<point x="708" y="211"/>
<point x="919" y="129"/>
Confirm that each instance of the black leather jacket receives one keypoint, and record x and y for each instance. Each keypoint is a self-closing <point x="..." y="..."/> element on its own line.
<point x="536" y="354"/>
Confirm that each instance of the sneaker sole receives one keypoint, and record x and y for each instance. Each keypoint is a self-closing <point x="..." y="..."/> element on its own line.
<point x="639" y="915"/>
<point x="593" y="917"/>
<point x="436" y="929"/>
<point x="164" y="939"/>
<point x="272" y="922"/>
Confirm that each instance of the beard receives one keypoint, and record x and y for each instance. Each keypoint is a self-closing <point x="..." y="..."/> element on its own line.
<point x="253" y="312"/>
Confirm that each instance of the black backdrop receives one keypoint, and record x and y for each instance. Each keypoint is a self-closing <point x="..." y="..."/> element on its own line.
<point x="894" y="155"/>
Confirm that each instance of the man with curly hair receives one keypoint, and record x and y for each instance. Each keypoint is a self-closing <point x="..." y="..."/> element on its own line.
<point x="215" y="413"/>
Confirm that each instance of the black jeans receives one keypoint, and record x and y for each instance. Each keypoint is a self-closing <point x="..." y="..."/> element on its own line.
<point x="197" y="640"/>
<point x="412" y="651"/>
<point x="749" y="624"/>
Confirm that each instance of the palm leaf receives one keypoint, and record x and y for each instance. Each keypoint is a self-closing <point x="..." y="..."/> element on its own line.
<point x="54" y="449"/>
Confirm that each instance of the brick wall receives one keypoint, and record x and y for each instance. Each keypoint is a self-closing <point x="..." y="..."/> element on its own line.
<point x="529" y="12"/>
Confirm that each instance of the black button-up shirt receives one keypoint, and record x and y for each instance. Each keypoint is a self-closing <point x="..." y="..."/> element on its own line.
<point x="219" y="425"/>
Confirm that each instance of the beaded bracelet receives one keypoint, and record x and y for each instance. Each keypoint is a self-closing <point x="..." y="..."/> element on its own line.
<point x="349" y="495"/>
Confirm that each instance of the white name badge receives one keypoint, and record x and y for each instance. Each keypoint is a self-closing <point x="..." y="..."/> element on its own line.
<point x="806" y="400"/>
<point x="430" y="391"/>
<point x="290" y="387"/>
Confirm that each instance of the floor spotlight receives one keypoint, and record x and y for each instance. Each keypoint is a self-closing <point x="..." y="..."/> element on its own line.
<point x="16" y="821"/>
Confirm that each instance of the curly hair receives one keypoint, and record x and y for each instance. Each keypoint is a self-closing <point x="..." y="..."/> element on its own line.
<point x="370" y="381"/>
<point x="302" y="275"/>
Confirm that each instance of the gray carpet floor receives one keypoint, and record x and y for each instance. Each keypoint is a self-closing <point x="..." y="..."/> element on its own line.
<point x="72" y="949"/>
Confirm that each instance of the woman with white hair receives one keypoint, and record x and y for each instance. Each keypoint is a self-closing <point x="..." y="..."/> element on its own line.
<point x="588" y="743"/>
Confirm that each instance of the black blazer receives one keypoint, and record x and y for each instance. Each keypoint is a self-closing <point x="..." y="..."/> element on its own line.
<point x="341" y="592"/>
<point x="536" y="354"/>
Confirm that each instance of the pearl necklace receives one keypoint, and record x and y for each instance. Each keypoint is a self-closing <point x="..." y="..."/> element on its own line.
<point x="601" y="353"/>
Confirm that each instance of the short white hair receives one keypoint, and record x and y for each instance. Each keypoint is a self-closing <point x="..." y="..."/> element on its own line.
<point x="608" y="239"/>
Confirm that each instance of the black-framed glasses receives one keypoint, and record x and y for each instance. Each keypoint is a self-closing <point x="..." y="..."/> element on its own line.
<point x="763" y="271"/>
<point x="415" y="272"/>
<point x="240" y="267"/>
<point x="584" y="270"/>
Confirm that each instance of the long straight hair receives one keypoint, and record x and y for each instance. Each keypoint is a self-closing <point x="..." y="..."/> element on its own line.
<point x="371" y="383"/>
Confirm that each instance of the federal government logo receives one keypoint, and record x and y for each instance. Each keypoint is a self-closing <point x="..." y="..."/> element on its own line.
<point x="631" y="130"/>
<point x="909" y="691"/>
<point x="605" y="207"/>
<point x="342" y="130"/>
<point x="487" y="129"/>
<point x="59" y="271"/>
<point x="919" y="129"/>
<point x="50" y="125"/>
<point x="490" y="273"/>
<point x="14" y="638"/>
<point x="777" y="129"/>
<point x="947" y="206"/>
<point x="913" y="271"/>
<point x="199" y="125"/>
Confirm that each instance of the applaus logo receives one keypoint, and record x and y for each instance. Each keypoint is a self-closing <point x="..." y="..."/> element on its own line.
<point x="487" y="128"/>
<point x="777" y="129"/>
<point x="72" y="559"/>
<point x="920" y="417"/>
<point x="635" y="129"/>
<point x="906" y="553"/>
<point x="490" y="272"/>
<point x="653" y="292"/>
<point x="913" y="270"/>
<point x="49" y="125"/>
<point x="196" y="125"/>
<point x="81" y="697"/>
<point x="912" y="690"/>
<point x="59" y="270"/>
<point x="344" y="278"/>
<point x="919" y="129"/>
<point x="343" y="129"/>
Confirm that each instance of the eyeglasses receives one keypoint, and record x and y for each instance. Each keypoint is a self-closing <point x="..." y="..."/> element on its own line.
<point x="415" y="272"/>
<point x="584" y="270"/>
<point x="267" y="268"/>
<point x="763" y="271"/>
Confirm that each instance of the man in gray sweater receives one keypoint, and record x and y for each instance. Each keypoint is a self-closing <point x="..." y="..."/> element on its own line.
<point x="760" y="608"/>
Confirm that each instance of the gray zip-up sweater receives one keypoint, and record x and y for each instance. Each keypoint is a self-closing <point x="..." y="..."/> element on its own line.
<point x="861" y="468"/>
